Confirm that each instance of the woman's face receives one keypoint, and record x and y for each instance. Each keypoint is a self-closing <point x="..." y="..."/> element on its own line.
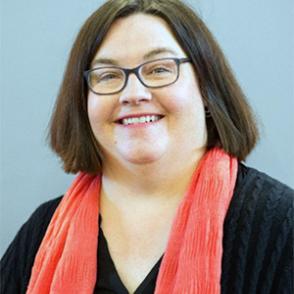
<point x="182" y="130"/>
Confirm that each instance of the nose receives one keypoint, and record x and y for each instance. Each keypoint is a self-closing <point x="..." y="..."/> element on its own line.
<point x="134" y="92"/>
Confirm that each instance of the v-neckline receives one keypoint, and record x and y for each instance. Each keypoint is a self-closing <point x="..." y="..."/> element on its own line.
<point x="115" y="279"/>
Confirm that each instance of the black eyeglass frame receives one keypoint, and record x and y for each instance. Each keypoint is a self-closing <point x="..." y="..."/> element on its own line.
<point x="135" y="70"/>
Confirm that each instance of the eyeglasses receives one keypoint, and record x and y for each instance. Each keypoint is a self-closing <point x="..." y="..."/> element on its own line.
<point x="157" y="73"/>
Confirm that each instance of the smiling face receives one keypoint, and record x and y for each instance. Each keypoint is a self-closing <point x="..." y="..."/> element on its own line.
<point x="181" y="130"/>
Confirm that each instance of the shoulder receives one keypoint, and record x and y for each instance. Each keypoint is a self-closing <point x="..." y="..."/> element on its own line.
<point x="39" y="220"/>
<point x="252" y="175"/>
<point x="260" y="198"/>
<point x="258" y="233"/>
<point x="44" y="211"/>
<point x="252" y="183"/>
<point x="16" y="263"/>
<point x="34" y="229"/>
<point x="36" y="225"/>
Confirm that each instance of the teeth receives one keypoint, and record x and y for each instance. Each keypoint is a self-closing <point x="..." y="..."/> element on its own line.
<point x="141" y="119"/>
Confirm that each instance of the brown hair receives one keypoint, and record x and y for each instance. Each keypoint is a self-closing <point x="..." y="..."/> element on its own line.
<point x="231" y="124"/>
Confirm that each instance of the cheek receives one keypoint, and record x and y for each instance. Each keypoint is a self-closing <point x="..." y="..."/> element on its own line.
<point x="92" y="104"/>
<point x="186" y="108"/>
<point x="97" y="110"/>
<point x="184" y="100"/>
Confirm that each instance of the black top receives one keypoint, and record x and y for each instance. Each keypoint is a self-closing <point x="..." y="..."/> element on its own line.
<point x="257" y="243"/>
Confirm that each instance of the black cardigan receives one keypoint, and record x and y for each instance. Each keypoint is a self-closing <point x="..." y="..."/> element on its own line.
<point x="257" y="242"/>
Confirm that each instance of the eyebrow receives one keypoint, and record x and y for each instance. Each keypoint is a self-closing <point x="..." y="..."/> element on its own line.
<point x="148" y="55"/>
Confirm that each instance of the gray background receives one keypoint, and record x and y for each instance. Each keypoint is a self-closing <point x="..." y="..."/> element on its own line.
<point x="256" y="35"/>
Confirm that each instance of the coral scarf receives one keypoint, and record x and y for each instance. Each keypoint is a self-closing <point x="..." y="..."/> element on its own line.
<point x="66" y="261"/>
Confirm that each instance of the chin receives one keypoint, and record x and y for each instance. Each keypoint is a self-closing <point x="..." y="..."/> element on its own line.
<point x="143" y="153"/>
<point x="140" y="161"/>
<point x="142" y="157"/>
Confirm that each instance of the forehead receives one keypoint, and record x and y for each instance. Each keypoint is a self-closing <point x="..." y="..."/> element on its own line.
<point x="130" y="38"/>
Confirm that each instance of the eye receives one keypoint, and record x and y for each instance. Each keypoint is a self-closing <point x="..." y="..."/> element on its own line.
<point x="105" y="77"/>
<point x="159" y="70"/>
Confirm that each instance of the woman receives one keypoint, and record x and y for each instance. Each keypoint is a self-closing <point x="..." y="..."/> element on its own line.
<point x="150" y="116"/>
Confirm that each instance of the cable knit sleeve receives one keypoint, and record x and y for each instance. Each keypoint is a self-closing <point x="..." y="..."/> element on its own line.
<point x="16" y="263"/>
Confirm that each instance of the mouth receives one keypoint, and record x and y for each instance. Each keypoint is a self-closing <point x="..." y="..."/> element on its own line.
<point x="140" y="120"/>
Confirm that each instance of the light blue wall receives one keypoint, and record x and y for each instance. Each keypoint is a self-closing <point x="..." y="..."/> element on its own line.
<point x="36" y="36"/>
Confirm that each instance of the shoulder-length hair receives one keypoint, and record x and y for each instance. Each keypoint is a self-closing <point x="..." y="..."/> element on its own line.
<point x="231" y="123"/>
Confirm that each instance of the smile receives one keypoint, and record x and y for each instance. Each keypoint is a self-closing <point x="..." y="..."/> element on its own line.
<point x="140" y="120"/>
